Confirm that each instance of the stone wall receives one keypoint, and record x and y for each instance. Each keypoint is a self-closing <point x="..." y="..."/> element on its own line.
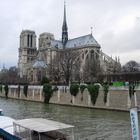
<point x="118" y="98"/>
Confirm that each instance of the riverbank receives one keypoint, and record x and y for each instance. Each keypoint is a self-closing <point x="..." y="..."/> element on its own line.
<point x="117" y="99"/>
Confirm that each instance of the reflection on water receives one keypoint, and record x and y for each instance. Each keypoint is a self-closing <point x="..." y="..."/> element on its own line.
<point x="96" y="124"/>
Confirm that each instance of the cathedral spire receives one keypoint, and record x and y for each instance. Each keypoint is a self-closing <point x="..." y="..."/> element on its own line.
<point x="64" y="28"/>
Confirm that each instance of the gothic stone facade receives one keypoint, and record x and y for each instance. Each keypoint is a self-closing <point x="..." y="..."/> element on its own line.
<point x="33" y="62"/>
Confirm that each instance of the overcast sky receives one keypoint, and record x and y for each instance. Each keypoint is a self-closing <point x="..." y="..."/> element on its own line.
<point x="116" y="24"/>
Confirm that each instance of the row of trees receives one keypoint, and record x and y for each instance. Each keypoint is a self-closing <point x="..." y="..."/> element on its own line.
<point x="74" y="90"/>
<point x="10" y="76"/>
<point x="63" y="66"/>
<point x="66" y="67"/>
<point x="6" y="90"/>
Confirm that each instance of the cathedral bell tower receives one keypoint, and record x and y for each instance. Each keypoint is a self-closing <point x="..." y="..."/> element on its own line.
<point x="27" y="51"/>
<point x="64" y="29"/>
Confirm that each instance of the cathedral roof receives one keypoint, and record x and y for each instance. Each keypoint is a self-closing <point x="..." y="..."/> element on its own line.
<point x="83" y="41"/>
<point x="56" y="44"/>
<point x="87" y="40"/>
<point x="39" y="63"/>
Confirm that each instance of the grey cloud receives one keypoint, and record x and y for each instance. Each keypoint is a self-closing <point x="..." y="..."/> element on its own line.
<point x="47" y="16"/>
<point x="126" y="41"/>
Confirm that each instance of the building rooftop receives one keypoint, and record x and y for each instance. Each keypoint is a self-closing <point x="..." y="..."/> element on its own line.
<point x="82" y="41"/>
<point x="87" y="40"/>
<point x="39" y="63"/>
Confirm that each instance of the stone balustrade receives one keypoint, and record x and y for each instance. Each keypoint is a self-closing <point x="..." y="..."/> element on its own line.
<point x="118" y="97"/>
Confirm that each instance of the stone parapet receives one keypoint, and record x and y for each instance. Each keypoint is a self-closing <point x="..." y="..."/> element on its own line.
<point x="118" y="98"/>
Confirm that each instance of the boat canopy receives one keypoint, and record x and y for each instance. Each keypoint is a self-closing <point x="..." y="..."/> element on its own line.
<point x="41" y="125"/>
<point x="6" y="123"/>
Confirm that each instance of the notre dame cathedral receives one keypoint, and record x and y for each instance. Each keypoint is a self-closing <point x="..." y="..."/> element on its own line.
<point x="84" y="59"/>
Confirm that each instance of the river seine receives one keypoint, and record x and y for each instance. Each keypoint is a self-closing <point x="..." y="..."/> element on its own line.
<point x="92" y="123"/>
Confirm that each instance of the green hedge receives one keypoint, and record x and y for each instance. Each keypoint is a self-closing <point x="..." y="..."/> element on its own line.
<point x="94" y="91"/>
<point x="1" y="88"/>
<point x="82" y="88"/>
<point x="48" y="92"/>
<point x="6" y="88"/>
<point x="105" y="89"/>
<point x="131" y="89"/>
<point x="44" y="80"/>
<point x="118" y="84"/>
<point x="74" y="89"/>
<point x="25" y="90"/>
<point x="18" y="90"/>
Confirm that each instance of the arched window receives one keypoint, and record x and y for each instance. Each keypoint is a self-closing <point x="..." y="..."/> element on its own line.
<point x="92" y="54"/>
<point x="86" y="51"/>
<point x="82" y="55"/>
<point x="39" y="75"/>
<point x="31" y="43"/>
<point x="28" y="40"/>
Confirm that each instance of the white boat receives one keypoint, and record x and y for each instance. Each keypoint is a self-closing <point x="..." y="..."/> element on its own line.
<point x="41" y="129"/>
<point x="34" y="129"/>
<point x="6" y="128"/>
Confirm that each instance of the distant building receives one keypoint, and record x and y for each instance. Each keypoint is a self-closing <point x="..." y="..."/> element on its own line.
<point x="33" y="63"/>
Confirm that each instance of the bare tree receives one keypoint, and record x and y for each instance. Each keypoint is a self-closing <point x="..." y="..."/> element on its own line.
<point x="76" y="73"/>
<point x="69" y="63"/>
<point x="9" y="75"/>
<point x="54" y="71"/>
<point x="65" y="66"/>
<point x="91" y="70"/>
<point x="131" y="66"/>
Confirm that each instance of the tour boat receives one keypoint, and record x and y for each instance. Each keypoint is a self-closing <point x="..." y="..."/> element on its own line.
<point x="41" y="129"/>
<point x="34" y="129"/>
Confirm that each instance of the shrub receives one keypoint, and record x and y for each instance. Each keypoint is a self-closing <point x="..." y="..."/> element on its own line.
<point x="48" y="92"/>
<point x="44" y="80"/>
<point x="18" y="90"/>
<point x="105" y="89"/>
<point x="131" y="89"/>
<point x="94" y="91"/>
<point x="1" y="88"/>
<point x="6" y="88"/>
<point x="25" y="90"/>
<point x="74" y="89"/>
<point x="82" y="88"/>
<point x="55" y="88"/>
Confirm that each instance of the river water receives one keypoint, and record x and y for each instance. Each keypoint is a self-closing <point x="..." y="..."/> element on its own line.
<point x="93" y="123"/>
